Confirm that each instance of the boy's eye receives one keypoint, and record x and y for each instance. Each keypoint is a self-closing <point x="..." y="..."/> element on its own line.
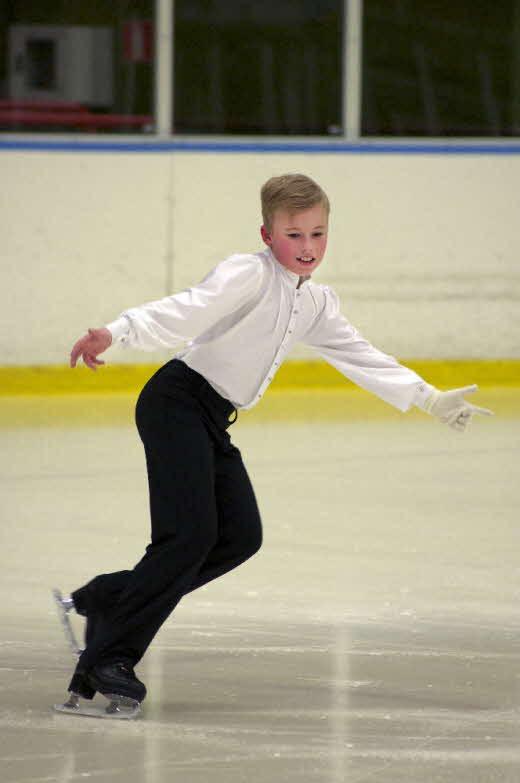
<point x="316" y="234"/>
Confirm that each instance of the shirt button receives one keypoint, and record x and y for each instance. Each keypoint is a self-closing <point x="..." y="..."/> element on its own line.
<point x="296" y="312"/>
<point x="290" y="331"/>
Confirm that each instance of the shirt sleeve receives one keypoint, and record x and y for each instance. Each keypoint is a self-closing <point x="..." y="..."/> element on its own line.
<point x="340" y="344"/>
<point x="188" y="314"/>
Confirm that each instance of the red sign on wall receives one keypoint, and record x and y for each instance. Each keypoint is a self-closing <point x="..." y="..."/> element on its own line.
<point x="138" y="41"/>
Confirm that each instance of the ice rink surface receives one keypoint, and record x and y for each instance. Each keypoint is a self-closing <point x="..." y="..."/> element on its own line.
<point x="375" y="637"/>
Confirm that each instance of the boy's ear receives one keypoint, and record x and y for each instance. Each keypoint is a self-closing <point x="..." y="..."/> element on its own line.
<point x="266" y="236"/>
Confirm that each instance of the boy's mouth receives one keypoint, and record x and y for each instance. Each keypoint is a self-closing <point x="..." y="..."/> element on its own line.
<point x="305" y="260"/>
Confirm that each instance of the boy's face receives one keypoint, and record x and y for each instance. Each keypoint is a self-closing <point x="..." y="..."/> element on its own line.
<point x="298" y="240"/>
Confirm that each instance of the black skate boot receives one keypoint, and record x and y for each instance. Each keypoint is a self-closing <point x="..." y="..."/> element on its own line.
<point x="116" y="678"/>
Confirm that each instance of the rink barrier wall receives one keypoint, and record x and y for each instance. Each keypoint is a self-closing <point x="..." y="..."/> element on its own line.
<point x="422" y="254"/>
<point x="294" y="375"/>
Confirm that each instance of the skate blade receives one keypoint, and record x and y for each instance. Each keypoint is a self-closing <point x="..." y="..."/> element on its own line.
<point x="65" y="623"/>
<point x="119" y="708"/>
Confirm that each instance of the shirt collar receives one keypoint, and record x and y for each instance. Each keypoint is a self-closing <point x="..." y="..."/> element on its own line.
<point x="292" y="277"/>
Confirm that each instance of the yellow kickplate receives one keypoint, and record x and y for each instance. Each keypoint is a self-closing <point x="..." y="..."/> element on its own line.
<point x="59" y="396"/>
<point x="284" y="405"/>
<point x="60" y="379"/>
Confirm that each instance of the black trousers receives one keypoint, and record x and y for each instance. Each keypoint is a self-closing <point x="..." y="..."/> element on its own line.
<point x="204" y="515"/>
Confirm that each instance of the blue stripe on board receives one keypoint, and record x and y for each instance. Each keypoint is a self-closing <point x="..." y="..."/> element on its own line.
<point x="324" y="148"/>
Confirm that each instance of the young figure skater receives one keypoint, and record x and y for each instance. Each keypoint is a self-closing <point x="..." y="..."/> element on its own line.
<point x="240" y="323"/>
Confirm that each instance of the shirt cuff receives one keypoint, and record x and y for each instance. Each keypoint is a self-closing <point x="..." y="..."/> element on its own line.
<point x="422" y="393"/>
<point x="119" y="329"/>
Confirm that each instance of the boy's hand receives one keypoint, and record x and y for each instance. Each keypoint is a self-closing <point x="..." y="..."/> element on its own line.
<point x="451" y="407"/>
<point x="89" y="346"/>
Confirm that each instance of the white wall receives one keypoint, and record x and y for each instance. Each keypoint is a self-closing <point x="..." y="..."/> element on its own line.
<point x="424" y="249"/>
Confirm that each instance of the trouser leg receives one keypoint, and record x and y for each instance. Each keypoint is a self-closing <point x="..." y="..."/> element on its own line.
<point x="95" y="599"/>
<point x="239" y="522"/>
<point x="101" y="593"/>
<point x="205" y="522"/>
<point x="239" y="537"/>
<point x="180" y="463"/>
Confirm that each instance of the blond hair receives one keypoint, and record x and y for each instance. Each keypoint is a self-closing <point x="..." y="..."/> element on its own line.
<point x="291" y="193"/>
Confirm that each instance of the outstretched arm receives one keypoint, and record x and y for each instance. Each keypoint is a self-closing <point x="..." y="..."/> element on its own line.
<point x="173" y="319"/>
<point x="341" y="345"/>
<point x="166" y="322"/>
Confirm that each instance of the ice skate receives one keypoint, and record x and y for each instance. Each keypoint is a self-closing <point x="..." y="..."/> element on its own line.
<point x="118" y="707"/>
<point x="64" y="605"/>
<point x="117" y="683"/>
<point x="117" y="678"/>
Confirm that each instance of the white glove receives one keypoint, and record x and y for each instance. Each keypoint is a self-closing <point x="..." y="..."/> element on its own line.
<point x="451" y="407"/>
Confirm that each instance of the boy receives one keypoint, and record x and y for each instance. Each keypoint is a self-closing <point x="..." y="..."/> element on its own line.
<point x="240" y="321"/>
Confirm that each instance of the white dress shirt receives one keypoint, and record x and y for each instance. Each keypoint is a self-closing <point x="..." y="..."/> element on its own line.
<point x="242" y="320"/>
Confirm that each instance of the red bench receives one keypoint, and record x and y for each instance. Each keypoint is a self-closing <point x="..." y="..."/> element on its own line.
<point x="80" y="120"/>
<point x="9" y="104"/>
